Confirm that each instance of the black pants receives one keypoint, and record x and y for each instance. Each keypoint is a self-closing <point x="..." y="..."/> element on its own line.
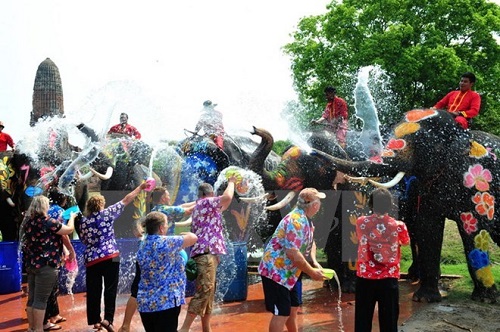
<point x="368" y="293"/>
<point x="161" y="321"/>
<point x="108" y="271"/>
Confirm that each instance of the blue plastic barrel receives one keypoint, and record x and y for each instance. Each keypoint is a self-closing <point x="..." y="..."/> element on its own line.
<point x="10" y="268"/>
<point x="238" y="288"/>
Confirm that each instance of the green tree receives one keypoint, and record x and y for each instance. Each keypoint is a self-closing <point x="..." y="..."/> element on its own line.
<point x="422" y="45"/>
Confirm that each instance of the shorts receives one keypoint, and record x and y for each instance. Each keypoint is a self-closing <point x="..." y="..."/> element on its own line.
<point x="279" y="299"/>
<point x="202" y="301"/>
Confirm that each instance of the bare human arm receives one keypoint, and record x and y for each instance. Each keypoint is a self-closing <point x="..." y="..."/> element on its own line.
<point x="133" y="194"/>
<point x="189" y="239"/>
<point x="68" y="247"/>
<point x="70" y="227"/>
<point x="228" y="194"/>
<point x="314" y="261"/>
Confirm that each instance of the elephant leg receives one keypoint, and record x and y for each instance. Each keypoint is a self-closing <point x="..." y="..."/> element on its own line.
<point x="480" y="293"/>
<point x="429" y="232"/>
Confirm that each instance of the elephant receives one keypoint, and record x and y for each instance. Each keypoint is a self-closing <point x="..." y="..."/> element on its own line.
<point x="458" y="177"/>
<point x="300" y="168"/>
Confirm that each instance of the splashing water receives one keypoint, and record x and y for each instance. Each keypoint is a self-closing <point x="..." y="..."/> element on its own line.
<point x="370" y="137"/>
<point x="238" y="233"/>
<point x="339" y="302"/>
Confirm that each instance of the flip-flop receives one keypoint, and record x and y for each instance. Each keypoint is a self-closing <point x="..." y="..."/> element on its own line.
<point x="52" y="327"/>
<point x="60" y="320"/>
<point x="108" y="326"/>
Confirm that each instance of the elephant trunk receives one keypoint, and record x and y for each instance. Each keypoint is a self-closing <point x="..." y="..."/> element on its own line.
<point x="258" y="157"/>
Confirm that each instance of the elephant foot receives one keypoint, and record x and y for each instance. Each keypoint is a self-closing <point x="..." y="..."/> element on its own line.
<point x="487" y="295"/>
<point x="413" y="273"/>
<point x="427" y="294"/>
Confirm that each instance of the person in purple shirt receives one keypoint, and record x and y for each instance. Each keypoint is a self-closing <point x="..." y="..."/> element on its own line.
<point x="207" y="225"/>
<point x="102" y="258"/>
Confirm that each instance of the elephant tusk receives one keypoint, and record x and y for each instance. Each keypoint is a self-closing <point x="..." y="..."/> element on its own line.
<point x="254" y="199"/>
<point x="10" y="202"/>
<point x="389" y="184"/>
<point x="282" y="203"/>
<point x="109" y="172"/>
<point x="360" y="179"/>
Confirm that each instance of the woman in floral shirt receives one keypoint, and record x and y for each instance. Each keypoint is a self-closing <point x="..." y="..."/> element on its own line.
<point x="42" y="250"/>
<point x="102" y="258"/>
<point x="163" y="282"/>
<point x="379" y="238"/>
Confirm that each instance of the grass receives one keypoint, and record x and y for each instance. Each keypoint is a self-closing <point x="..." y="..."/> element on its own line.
<point x="453" y="262"/>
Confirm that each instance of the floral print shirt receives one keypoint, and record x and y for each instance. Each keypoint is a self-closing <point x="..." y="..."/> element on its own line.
<point x="207" y="225"/>
<point x="293" y="232"/>
<point x="55" y="211"/>
<point x="163" y="280"/>
<point x="97" y="233"/>
<point x="173" y="213"/>
<point x="379" y="240"/>
<point x="41" y="245"/>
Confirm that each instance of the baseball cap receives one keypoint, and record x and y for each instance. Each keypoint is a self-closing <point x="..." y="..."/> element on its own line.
<point x="307" y="195"/>
<point x="1" y="124"/>
<point x="208" y="103"/>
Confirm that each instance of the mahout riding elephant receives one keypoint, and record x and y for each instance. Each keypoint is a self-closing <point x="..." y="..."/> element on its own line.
<point x="458" y="177"/>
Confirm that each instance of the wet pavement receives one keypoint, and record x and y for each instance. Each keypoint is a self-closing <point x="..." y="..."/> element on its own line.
<point x="321" y="311"/>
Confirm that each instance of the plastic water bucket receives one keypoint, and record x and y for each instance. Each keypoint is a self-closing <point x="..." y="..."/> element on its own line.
<point x="67" y="213"/>
<point x="80" y="285"/>
<point x="10" y="268"/>
<point x="238" y="288"/>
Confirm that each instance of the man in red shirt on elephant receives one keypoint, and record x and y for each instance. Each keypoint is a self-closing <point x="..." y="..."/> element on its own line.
<point x="334" y="115"/>
<point x="464" y="103"/>
<point x="5" y="139"/>
<point x="124" y="128"/>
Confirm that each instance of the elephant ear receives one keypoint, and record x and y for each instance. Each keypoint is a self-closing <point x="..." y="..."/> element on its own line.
<point x="439" y="142"/>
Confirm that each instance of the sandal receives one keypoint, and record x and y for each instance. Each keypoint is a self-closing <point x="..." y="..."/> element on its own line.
<point x="107" y="326"/>
<point x="58" y="320"/>
<point x="52" y="327"/>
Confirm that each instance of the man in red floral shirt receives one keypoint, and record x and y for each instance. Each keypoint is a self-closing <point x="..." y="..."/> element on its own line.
<point x="379" y="239"/>
<point x="124" y="128"/>
<point x="334" y="115"/>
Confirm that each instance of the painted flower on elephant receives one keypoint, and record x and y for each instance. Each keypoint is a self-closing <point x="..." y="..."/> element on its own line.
<point x="485" y="276"/>
<point x="483" y="240"/>
<point x="293" y="153"/>
<point x="479" y="259"/>
<point x="470" y="223"/>
<point x="418" y="115"/>
<point x="6" y="173"/>
<point x="396" y="144"/>
<point x="485" y="204"/>
<point x="479" y="177"/>
<point x="406" y="128"/>
<point x="477" y="150"/>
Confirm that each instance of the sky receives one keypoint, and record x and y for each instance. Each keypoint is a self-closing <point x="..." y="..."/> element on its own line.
<point x="155" y="60"/>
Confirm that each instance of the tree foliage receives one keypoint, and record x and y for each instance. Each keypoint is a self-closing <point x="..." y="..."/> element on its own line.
<point x="423" y="46"/>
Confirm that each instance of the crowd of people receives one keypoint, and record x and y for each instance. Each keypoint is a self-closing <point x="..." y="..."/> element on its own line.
<point x="158" y="290"/>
